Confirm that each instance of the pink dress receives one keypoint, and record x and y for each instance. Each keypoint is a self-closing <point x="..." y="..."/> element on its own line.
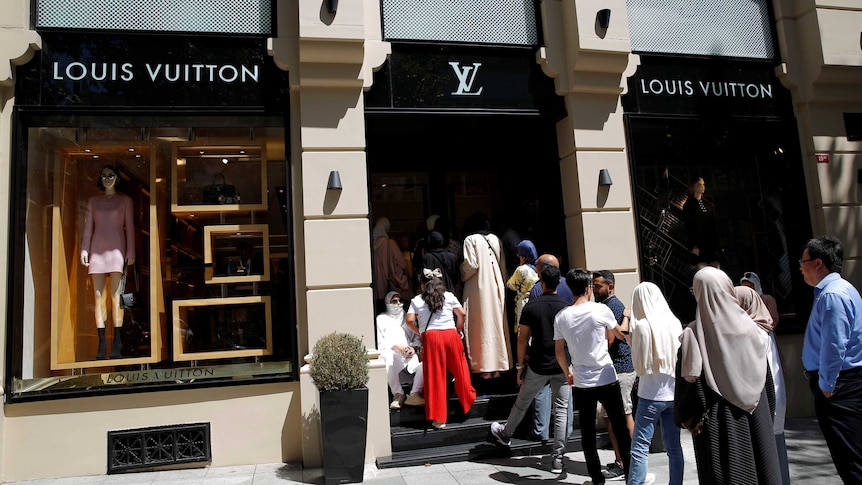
<point x="109" y="233"/>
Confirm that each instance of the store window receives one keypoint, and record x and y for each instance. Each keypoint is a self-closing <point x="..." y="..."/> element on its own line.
<point x="187" y="213"/>
<point x="754" y="214"/>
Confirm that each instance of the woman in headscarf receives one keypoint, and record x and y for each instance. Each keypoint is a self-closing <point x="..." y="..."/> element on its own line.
<point x="524" y="277"/>
<point x="757" y="308"/>
<point x="437" y="256"/>
<point x="654" y="339"/>
<point x="488" y="341"/>
<point x="723" y="351"/>
<point x="389" y="269"/>
<point x="397" y="352"/>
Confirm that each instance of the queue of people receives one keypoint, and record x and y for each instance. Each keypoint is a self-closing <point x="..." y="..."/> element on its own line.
<point x="720" y="376"/>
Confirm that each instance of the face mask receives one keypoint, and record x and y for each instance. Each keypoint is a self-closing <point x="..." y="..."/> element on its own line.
<point x="394" y="309"/>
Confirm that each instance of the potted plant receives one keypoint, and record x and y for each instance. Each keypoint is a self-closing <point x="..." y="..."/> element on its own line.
<point x="339" y="369"/>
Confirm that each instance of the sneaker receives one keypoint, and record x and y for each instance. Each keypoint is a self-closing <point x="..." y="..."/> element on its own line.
<point x="414" y="399"/>
<point x="497" y="430"/>
<point x="438" y="424"/>
<point x="614" y="471"/>
<point x="557" y="465"/>
<point x="397" y="401"/>
<point x="649" y="479"/>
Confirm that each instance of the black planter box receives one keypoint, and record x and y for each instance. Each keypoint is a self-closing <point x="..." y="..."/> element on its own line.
<point x="344" y="426"/>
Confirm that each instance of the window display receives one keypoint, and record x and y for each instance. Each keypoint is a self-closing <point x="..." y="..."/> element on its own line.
<point x="184" y="209"/>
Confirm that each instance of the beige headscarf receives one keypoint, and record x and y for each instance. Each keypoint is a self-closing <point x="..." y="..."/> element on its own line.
<point x="723" y="342"/>
<point x="753" y="304"/>
<point x="655" y="332"/>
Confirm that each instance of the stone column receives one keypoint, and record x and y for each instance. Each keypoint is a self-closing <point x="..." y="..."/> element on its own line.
<point x="330" y="57"/>
<point x="589" y="65"/>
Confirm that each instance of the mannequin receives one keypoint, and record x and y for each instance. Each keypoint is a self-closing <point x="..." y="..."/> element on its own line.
<point x="107" y="246"/>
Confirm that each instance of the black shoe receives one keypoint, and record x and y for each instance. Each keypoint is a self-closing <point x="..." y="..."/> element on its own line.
<point x="117" y="348"/>
<point x="100" y="353"/>
<point x="614" y="471"/>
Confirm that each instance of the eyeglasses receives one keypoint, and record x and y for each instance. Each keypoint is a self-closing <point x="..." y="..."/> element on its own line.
<point x="109" y="176"/>
<point x="805" y="261"/>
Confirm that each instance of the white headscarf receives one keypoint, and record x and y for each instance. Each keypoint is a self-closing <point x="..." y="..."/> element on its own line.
<point x="381" y="228"/>
<point x="754" y="280"/>
<point x="655" y="332"/>
<point x="723" y="343"/>
<point x="394" y="310"/>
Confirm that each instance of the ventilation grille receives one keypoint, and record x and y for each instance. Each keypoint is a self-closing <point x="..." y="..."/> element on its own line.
<point x="511" y="22"/>
<point x="213" y="16"/>
<point x="134" y="449"/>
<point x="729" y="28"/>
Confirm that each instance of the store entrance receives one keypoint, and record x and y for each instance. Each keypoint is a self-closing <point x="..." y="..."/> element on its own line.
<point x="455" y="165"/>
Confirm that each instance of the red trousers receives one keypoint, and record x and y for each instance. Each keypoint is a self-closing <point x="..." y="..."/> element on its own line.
<point x="442" y="350"/>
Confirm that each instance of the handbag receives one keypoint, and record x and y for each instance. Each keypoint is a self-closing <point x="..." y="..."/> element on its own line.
<point x="132" y="298"/>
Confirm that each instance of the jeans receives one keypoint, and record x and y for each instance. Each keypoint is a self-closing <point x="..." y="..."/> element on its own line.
<point x="648" y="412"/>
<point x="542" y="414"/>
<point x="561" y="392"/>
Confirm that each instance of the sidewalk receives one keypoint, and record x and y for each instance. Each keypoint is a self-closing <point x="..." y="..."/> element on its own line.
<point x="810" y="464"/>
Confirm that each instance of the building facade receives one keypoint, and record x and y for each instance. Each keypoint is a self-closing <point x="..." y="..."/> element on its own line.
<point x="225" y="136"/>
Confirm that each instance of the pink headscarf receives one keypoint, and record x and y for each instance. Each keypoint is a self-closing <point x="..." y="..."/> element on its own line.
<point x="753" y="304"/>
<point x="723" y="343"/>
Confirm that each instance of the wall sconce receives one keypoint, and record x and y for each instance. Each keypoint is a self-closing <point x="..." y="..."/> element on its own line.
<point x="332" y="5"/>
<point x="334" y="182"/>
<point x="604" y="17"/>
<point x="605" y="178"/>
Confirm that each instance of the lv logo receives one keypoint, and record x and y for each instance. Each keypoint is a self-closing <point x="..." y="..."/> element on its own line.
<point x="466" y="75"/>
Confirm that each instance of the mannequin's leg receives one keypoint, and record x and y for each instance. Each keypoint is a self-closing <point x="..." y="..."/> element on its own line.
<point x="101" y="312"/>
<point x="117" y="313"/>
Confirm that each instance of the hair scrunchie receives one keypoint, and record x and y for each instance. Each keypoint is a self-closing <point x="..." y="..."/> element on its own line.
<point x="427" y="274"/>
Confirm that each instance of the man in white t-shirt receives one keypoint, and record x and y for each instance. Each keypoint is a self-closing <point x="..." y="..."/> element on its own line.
<point x="584" y="327"/>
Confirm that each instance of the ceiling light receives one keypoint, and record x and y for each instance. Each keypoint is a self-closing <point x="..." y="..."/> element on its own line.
<point x="224" y="161"/>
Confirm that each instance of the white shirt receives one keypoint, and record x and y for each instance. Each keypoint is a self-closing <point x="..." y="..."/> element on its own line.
<point x="656" y="387"/>
<point x="584" y="327"/>
<point x="442" y="320"/>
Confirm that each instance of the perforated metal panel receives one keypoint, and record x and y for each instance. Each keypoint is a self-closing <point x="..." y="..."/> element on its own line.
<point x="510" y="22"/>
<point x="133" y="449"/>
<point x="728" y="28"/>
<point x="212" y="16"/>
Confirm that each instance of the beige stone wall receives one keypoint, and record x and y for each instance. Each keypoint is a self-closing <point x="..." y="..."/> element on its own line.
<point x="249" y="424"/>
<point x="822" y="66"/>
<point x="589" y="66"/>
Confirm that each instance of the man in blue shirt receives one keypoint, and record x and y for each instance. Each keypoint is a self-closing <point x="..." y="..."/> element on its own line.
<point x="832" y="354"/>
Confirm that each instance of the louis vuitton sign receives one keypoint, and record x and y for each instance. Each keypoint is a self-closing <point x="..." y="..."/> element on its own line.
<point x="458" y="78"/>
<point x="137" y="70"/>
<point x="705" y="87"/>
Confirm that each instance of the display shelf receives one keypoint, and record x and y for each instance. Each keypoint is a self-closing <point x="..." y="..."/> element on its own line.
<point x="220" y="328"/>
<point x="216" y="177"/>
<point x="222" y="245"/>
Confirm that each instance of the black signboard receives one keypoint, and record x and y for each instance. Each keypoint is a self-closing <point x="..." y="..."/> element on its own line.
<point x="148" y="71"/>
<point x="458" y="78"/>
<point x="683" y="86"/>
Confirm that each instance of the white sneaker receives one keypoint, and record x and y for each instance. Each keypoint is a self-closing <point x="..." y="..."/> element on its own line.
<point x="649" y="479"/>
<point x="497" y="430"/>
<point x="397" y="401"/>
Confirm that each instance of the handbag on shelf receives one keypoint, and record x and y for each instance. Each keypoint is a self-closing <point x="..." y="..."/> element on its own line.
<point x="132" y="298"/>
